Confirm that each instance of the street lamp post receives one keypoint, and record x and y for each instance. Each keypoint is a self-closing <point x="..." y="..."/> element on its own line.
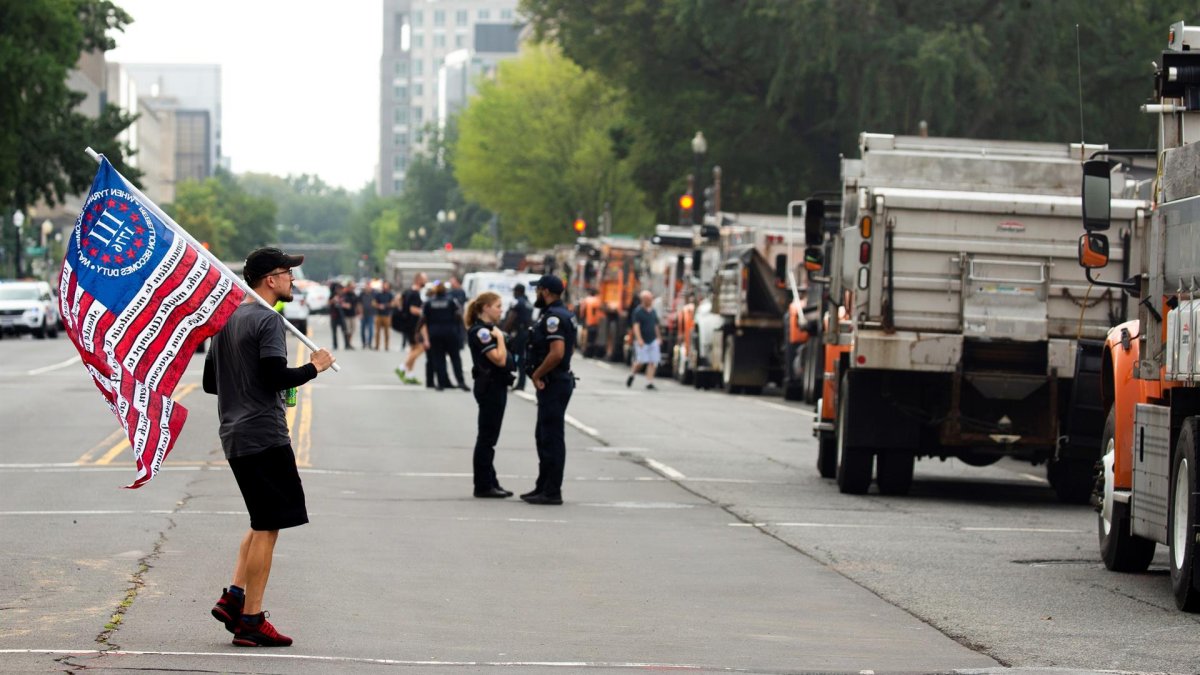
<point x="18" y="220"/>
<point x="699" y="148"/>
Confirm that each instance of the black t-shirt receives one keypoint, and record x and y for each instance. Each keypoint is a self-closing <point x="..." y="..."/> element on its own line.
<point x="349" y="304"/>
<point x="481" y="341"/>
<point x="521" y="316"/>
<point x="253" y="416"/>
<point x="441" y="315"/>
<point x="383" y="300"/>
<point x="646" y="319"/>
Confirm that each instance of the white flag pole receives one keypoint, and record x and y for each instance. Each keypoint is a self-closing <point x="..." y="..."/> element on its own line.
<point x="241" y="283"/>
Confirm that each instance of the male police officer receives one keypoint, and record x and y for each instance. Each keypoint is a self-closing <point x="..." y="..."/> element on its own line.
<point x="552" y="343"/>
<point x="517" y="325"/>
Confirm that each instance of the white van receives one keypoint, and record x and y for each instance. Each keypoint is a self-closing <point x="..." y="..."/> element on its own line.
<point x="475" y="283"/>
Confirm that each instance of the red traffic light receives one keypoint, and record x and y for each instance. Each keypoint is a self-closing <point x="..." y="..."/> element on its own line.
<point x="449" y="246"/>
<point x="686" y="202"/>
<point x="580" y="225"/>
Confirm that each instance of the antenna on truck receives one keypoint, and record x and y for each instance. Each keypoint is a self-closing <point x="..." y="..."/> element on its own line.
<point x="1079" y="77"/>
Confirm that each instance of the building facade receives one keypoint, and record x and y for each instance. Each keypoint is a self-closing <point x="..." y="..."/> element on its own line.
<point x="433" y="51"/>
<point x="194" y="90"/>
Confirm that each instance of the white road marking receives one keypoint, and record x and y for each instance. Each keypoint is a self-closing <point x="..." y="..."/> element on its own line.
<point x="871" y="526"/>
<point x="601" y="364"/>
<point x="57" y="366"/>
<point x="1044" y="530"/>
<point x="786" y="408"/>
<point x="664" y="469"/>
<point x="640" y="505"/>
<point x="582" y="427"/>
<point x="240" y="655"/>
<point x="1036" y="479"/>
<point x="526" y="395"/>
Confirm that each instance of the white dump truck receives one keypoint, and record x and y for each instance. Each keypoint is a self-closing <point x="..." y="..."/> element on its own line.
<point x="969" y="329"/>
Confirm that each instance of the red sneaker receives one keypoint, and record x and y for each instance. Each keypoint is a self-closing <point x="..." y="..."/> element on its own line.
<point x="259" y="634"/>
<point x="228" y="610"/>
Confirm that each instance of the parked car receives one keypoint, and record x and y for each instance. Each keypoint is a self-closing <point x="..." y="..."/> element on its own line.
<point x="28" y="307"/>
<point x="297" y="310"/>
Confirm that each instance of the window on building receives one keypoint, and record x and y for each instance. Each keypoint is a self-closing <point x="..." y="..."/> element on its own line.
<point x="418" y="89"/>
<point x="398" y="185"/>
<point x="418" y="67"/>
<point x="402" y="69"/>
<point x="400" y="138"/>
<point x="460" y="17"/>
<point x="401" y="116"/>
<point x="485" y="14"/>
<point x="439" y="40"/>
<point x="400" y="162"/>
<point x="418" y="41"/>
<point x="439" y="17"/>
<point x="418" y="115"/>
<point x="460" y="41"/>
<point x="506" y="14"/>
<point x="401" y="92"/>
<point x="418" y="18"/>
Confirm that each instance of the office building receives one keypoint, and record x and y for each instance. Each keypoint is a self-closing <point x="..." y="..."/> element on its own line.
<point x="433" y="52"/>
<point x="194" y="91"/>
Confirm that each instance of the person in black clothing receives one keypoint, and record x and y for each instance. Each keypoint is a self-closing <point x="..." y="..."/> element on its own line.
<point x="247" y="368"/>
<point x="517" y="324"/>
<point x="337" y="315"/>
<point x="456" y="292"/>
<point x="552" y="343"/>
<point x="441" y="316"/>
<point x="349" y="303"/>
<point x="490" y="360"/>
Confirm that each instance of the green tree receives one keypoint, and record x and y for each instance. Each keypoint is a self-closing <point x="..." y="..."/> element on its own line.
<point x="309" y="210"/>
<point x="432" y="188"/>
<point x="42" y="135"/>
<point x="541" y="145"/>
<point x="218" y="211"/>
<point x="780" y="89"/>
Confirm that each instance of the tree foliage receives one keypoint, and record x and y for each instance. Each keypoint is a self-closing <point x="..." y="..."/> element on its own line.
<point x="542" y="144"/>
<point x="42" y="135"/>
<point x="781" y="88"/>
<point x="219" y="212"/>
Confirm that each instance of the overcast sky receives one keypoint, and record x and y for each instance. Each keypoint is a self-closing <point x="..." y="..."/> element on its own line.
<point x="299" y="77"/>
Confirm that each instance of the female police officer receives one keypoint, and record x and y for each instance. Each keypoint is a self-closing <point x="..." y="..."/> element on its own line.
<point x="489" y="356"/>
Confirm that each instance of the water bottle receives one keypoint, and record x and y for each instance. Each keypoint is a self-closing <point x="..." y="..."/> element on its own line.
<point x="290" y="397"/>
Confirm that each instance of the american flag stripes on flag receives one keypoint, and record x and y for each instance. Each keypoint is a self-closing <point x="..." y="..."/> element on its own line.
<point x="137" y="299"/>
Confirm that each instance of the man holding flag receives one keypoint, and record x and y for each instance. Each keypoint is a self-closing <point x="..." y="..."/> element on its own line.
<point x="247" y="368"/>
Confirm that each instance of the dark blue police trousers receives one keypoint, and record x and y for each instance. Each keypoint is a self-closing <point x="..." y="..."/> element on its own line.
<point x="550" y="433"/>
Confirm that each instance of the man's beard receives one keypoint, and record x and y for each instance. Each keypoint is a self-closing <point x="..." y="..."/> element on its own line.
<point x="541" y="302"/>
<point x="285" y="296"/>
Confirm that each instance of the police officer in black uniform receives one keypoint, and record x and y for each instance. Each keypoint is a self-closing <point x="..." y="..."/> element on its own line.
<point x="551" y="345"/>
<point x="517" y="324"/>
<point x="442" y="315"/>
<point x="491" y="361"/>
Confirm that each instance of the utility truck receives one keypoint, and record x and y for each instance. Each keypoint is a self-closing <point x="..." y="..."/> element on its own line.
<point x="964" y="326"/>
<point x="1148" y="488"/>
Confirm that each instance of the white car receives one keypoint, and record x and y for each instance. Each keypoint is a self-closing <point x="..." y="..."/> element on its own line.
<point x="297" y="310"/>
<point x="28" y="307"/>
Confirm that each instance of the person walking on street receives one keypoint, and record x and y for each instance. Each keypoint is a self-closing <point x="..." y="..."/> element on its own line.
<point x="351" y="309"/>
<point x="410" y="316"/>
<point x="647" y="340"/>
<point x="337" y="316"/>
<point x="517" y="324"/>
<point x="459" y="296"/>
<point x="382" y="302"/>
<point x="366" y="304"/>
<point x="490" y="360"/>
<point x="247" y="368"/>
<point x="552" y="343"/>
<point x="441" y="317"/>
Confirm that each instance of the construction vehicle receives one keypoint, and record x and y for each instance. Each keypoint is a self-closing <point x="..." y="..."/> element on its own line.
<point x="803" y="356"/>
<point x="610" y="265"/>
<point x="964" y="328"/>
<point x="1148" y="492"/>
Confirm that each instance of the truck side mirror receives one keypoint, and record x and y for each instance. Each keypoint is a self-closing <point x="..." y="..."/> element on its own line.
<point x="1097" y="196"/>
<point x="697" y="261"/>
<point x="680" y="267"/>
<point x="814" y="218"/>
<point x="1093" y="250"/>
<point x="781" y="270"/>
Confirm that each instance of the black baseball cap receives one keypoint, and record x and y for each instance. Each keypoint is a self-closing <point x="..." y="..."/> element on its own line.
<point x="261" y="261"/>
<point x="551" y="283"/>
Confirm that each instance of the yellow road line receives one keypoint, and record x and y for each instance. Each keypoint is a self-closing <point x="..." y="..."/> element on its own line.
<point x="116" y="450"/>
<point x="299" y="417"/>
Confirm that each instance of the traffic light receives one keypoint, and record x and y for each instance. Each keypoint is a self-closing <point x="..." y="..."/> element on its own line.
<point x="580" y="225"/>
<point x="686" y="202"/>
<point x="710" y="204"/>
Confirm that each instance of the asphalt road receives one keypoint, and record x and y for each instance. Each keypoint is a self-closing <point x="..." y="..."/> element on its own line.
<point x="696" y="534"/>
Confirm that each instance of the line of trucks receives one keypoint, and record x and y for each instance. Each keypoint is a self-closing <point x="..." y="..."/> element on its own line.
<point x="943" y="304"/>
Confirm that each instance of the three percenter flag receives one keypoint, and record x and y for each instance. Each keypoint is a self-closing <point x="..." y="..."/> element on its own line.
<point x="137" y="300"/>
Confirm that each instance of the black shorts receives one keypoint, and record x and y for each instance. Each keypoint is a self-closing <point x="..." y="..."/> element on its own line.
<point x="270" y="485"/>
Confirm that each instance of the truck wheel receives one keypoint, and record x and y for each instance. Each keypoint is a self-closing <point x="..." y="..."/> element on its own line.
<point x="895" y="471"/>
<point x="1120" y="549"/>
<point x="854" y="464"/>
<point x="814" y="367"/>
<point x="827" y="454"/>
<point x="1073" y="480"/>
<point x="727" y="362"/>
<point x="1182" y="513"/>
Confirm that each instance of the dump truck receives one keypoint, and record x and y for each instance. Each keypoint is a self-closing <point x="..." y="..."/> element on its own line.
<point x="1148" y="488"/>
<point x="971" y="332"/>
